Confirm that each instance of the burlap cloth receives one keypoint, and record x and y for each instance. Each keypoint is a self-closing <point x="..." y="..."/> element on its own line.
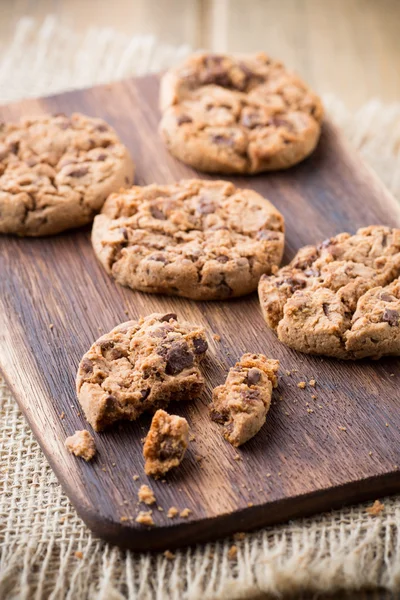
<point x="39" y="529"/>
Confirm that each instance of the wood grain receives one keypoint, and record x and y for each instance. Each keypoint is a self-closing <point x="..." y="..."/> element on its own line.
<point x="300" y="462"/>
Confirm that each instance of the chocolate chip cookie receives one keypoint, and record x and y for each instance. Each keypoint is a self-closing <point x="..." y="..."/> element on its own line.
<point x="238" y="114"/>
<point x="56" y="172"/>
<point x="140" y="366"/>
<point x="165" y="444"/>
<point x="340" y="298"/>
<point x="205" y="240"/>
<point x="242" y="403"/>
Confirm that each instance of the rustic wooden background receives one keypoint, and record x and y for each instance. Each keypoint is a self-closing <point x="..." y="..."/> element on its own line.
<point x="350" y="48"/>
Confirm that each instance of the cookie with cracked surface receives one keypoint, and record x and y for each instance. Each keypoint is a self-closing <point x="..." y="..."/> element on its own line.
<point x="205" y="240"/>
<point x="165" y="444"/>
<point x="81" y="444"/>
<point x="140" y="366"/>
<point x="238" y="114"/>
<point x="241" y="404"/>
<point x="338" y="299"/>
<point x="57" y="171"/>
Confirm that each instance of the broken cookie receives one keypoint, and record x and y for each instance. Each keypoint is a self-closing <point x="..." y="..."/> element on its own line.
<point x="140" y="366"/>
<point x="165" y="444"/>
<point x="340" y="298"/>
<point x="242" y="403"/>
<point x="81" y="444"/>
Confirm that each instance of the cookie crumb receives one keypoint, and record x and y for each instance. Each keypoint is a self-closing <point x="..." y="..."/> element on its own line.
<point x="375" y="509"/>
<point x="160" y="508"/>
<point x="185" y="513"/>
<point x="288" y="373"/>
<point x="172" y="512"/>
<point x="313" y="397"/>
<point x="135" y="477"/>
<point x="146" y="495"/>
<point x="169" y="555"/>
<point x="144" y="518"/>
<point x="232" y="552"/>
<point x="239" y="536"/>
<point x="301" y="385"/>
<point x="51" y="326"/>
<point x="217" y="337"/>
<point x="312" y="382"/>
<point x="250" y="504"/>
<point x="370" y="453"/>
<point x="62" y="415"/>
<point x="192" y="437"/>
<point x="123" y="519"/>
<point x="237" y="457"/>
<point x="386" y="424"/>
<point x="342" y="428"/>
<point x="79" y="554"/>
<point x="81" y="444"/>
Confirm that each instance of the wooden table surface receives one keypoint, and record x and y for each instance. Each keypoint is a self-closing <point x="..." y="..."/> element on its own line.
<point x="350" y="48"/>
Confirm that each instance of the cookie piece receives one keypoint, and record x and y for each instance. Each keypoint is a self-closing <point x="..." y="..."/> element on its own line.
<point x="238" y="114"/>
<point x="165" y="444"/>
<point x="81" y="444"/>
<point x="337" y="298"/>
<point x="242" y="403"/>
<point x="205" y="240"/>
<point x="140" y="366"/>
<point x="56" y="172"/>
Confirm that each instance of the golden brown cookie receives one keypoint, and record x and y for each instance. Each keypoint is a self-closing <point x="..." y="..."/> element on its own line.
<point x="340" y="298"/>
<point x="56" y="172"/>
<point x="165" y="444"/>
<point x="238" y="114"/>
<point x="140" y="366"/>
<point x="205" y="240"/>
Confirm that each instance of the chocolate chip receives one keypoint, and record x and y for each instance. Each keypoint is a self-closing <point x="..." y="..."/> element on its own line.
<point x="294" y="283"/>
<point x="87" y="365"/>
<point x="124" y="232"/>
<point x="115" y="354"/>
<point x="391" y="316"/>
<point x="14" y="147"/>
<point x="251" y="120"/>
<point x="267" y="235"/>
<point x="222" y="258"/>
<point x="178" y="358"/>
<point x="325" y="308"/>
<point x="217" y="417"/>
<point x="126" y="180"/>
<point x="387" y="297"/>
<point x="250" y="395"/>
<point x="144" y="394"/>
<point x="79" y="172"/>
<point x="101" y="127"/>
<point x="102" y="157"/>
<point x="200" y="345"/>
<point x="167" y="317"/>
<point x="222" y="140"/>
<point x="169" y="450"/>
<point x="110" y="403"/>
<point x="181" y="119"/>
<point x="158" y="258"/>
<point x="157" y="213"/>
<point x="106" y="345"/>
<point x="279" y="122"/>
<point x="253" y="376"/>
<point x="327" y="243"/>
<point x="205" y="207"/>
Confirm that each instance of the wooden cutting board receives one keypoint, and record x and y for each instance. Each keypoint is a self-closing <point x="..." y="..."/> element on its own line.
<point x="311" y="455"/>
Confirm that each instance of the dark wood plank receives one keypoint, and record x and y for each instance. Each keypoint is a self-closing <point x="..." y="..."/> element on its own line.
<point x="313" y="464"/>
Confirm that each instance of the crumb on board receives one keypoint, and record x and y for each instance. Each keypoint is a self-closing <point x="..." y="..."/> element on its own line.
<point x="342" y="428"/>
<point x="135" y="477"/>
<point x="288" y="373"/>
<point x="237" y="457"/>
<point x="160" y="508"/>
<point x="81" y="444"/>
<point x="370" y="453"/>
<point x="217" y="337"/>
<point x="239" y="536"/>
<point x="172" y="512"/>
<point x="146" y="495"/>
<point x="79" y="554"/>
<point x="313" y="397"/>
<point x="192" y="437"/>
<point x="126" y="312"/>
<point x="232" y="552"/>
<point x="376" y="508"/>
<point x="301" y="385"/>
<point x="51" y="326"/>
<point x="169" y="555"/>
<point x="124" y="518"/>
<point x="312" y="382"/>
<point x="144" y="518"/>
<point x="62" y="415"/>
<point x="250" y="504"/>
<point x="386" y="424"/>
<point x="198" y="458"/>
<point x="185" y="513"/>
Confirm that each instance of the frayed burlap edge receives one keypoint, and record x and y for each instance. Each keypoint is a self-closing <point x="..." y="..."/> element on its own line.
<point x="40" y="532"/>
